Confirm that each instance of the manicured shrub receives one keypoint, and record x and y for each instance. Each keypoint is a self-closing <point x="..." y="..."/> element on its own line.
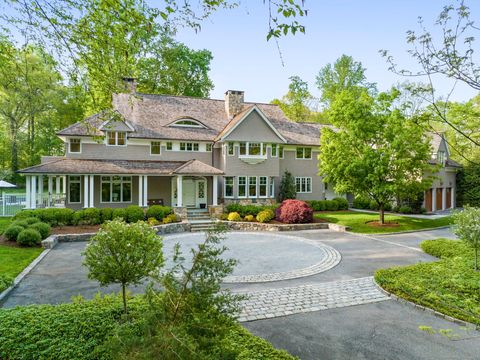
<point x="265" y="216"/>
<point x="134" y="213"/>
<point x="249" y="218"/>
<point x="152" y="221"/>
<point x="119" y="214"/>
<point x="91" y="216"/>
<point x="12" y="232"/>
<point x="29" y="237"/>
<point x="52" y="216"/>
<point x="294" y="212"/>
<point x="158" y="212"/>
<point x="234" y="216"/>
<point x="5" y="282"/>
<point x="21" y="223"/>
<point x="31" y="220"/>
<point x="170" y="218"/>
<point x="245" y="210"/>
<point x="43" y="228"/>
<point x="25" y="214"/>
<point x="331" y="205"/>
<point x="224" y="217"/>
<point x="405" y="209"/>
<point x="342" y="203"/>
<point x="106" y="214"/>
<point x="361" y="202"/>
<point x="317" y="205"/>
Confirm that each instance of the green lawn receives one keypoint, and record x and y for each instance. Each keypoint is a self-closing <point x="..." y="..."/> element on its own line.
<point x="4" y="222"/>
<point x="357" y="221"/>
<point x="450" y="285"/>
<point x="14" y="259"/>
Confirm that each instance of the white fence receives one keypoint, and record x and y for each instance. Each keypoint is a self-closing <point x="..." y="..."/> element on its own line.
<point x="10" y="204"/>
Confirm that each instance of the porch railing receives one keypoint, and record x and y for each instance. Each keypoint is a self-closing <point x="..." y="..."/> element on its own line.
<point x="11" y="204"/>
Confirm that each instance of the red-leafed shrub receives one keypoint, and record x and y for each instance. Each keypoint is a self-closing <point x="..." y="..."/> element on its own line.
<point x="294" y="212"/>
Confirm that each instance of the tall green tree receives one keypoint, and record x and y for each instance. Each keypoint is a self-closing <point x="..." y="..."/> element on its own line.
<point x="375" y="151"/>
<point x="344" y="74"/>
<point x="295" y="104"/>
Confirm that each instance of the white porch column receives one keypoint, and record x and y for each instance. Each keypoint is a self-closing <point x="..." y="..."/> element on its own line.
<point x="33" y="193"/>
<point x="57" y="185"/>
<point x="91" y="191"/>
<point x="86" y="195"/>
<point x="64" y="184"/>
<point x="140" y="190"/>
<point x="50" y="191"/>
<point x="28" y="189"/>
<point x="215" y="190"/>
<point x="444" y="198"/>
<point x="179" y="191"/>
<point x="434" y="199"/>
<point x="145" y="190"/>
<point x="452" y="194"/>
<point x="40" y="190"/>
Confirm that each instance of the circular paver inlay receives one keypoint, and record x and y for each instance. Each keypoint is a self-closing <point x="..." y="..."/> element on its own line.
<point x="263" y="256"/>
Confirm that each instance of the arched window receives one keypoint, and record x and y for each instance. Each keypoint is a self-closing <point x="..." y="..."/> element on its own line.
<point x="188" y="123"/>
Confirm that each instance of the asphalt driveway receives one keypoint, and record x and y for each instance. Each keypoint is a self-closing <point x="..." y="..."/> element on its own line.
<point x="383" y="329"/>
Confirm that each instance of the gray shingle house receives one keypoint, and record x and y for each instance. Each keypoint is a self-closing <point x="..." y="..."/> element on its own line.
<point x="188" y="152"/>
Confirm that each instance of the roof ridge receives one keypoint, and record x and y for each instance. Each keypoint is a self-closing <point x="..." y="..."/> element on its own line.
<point x="183" y="165"/>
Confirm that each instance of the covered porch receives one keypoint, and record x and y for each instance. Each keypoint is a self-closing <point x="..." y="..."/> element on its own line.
<point x="81" y="184"/>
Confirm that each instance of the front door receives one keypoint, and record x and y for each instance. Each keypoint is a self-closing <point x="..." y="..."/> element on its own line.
<point x="189" y="193"/>
<point x="201" y="192"/>
<point x="428" y="200"/>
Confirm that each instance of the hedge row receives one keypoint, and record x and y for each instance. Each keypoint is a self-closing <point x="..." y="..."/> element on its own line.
<point x="77" y="330"/>
<point x="368" y="204"/>
<point x="329" y="205"/>
<point x="94" y="216"/>
<point x="244" y="210"/>
<point x="27" y="232"/>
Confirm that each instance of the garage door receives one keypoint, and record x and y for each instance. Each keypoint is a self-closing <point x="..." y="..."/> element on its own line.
<point x="439" y="198"/>
<point x="449" y="198"/>
<point x="428" y="200"/>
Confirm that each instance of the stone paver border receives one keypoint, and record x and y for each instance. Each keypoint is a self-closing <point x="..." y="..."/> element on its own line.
<point x="270" y="303"/>
<point x="427" y="309"/>
<point x="4" y="294"/>
<point x="330" y="259"/>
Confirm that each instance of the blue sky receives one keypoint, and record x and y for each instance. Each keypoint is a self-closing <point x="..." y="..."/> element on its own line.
<point x="244" y="60"/>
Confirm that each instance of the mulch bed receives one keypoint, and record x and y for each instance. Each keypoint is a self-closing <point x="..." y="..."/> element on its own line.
<point x="81" y="229"/>
<point x="5" y="242"/>
<point x="388" y="224"/>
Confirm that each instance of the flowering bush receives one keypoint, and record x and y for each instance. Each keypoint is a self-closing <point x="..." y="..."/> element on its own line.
<point x="234" y="216"/>
<point x="265" y="216"/>
<point x="294" y="212"/>
<point x="249" y="218"/>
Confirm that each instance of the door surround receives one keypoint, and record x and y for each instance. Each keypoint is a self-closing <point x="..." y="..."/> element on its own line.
<point x="200" y="187"/>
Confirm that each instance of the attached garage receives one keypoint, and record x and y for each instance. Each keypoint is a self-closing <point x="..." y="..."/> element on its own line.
<point x="428" y="200"/>
<point x="439" y="199"/>
<point x="449" y="198"/>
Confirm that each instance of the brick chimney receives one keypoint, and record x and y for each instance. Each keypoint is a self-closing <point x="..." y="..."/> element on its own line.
<point x="129" y="85"/>
<point x="233" y="102"/>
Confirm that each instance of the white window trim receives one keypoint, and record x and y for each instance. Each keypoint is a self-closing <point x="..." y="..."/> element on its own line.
<point x="263" y="150"/>
<point x="207" y="145"/>
<point x="271" y="187"/>
<point x="159" y="145"/>
<point x="80" y="182"/>
<point x="267" y="187"/>
<point x="246" y="187"/>
<point x="68" y="146"/>
<point x="188" y="142"/>
<point x="256" y="187"/>
<point x="225" y="187"/>
<point x="306" y="182"/>
<point x="116" y="138"/>
<point x="121" y="190"/>
<point x="197" y="125"/>
<point x="303" y="158"/>
<point x="166" y="147"/>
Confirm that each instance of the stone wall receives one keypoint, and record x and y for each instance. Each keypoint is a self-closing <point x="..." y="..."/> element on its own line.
<point x="255" y="226"/>
<point x="180" y="212"/>
<point x="172" y="228"/>
<point x="216" y="211"/>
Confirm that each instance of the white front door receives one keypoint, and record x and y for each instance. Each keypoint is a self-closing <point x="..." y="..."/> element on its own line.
<point x="189" y="193"/>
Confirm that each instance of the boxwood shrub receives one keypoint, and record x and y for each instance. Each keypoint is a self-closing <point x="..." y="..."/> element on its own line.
<point x="106" y="214"/>
<point x="43" y="228"/>
<point x="134" y="213"/>
<point x="12" y="232"/>
<point x="52" y="216"/>
<point x="342" y="203"/>
<point x="158" y="212"/>
<point x="29" y="237"/>
<point x="245" y="210"/>
<point x="119" y="213"/>
<point x="31" y="220"/>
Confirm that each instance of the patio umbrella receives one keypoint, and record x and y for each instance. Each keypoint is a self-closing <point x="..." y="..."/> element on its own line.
<point x="6" y="185"/>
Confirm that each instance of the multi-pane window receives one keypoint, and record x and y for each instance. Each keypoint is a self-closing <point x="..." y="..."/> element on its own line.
<point x="228" y="187"/>
<point x="441" y="157"/>
<point x="230" y="149"/>
<point x="74" y="189"/>
<point x="116" y="138"/>
<point x="155" y="148"/>
<point x="280" y="151"/>
<point x="252" y="186"/>
<point x="304" y="153"/>
<point x="274" y="150"/>
<point x="242" y="186"/>
<point x="303" y="184"/>
<point x="272" y="188"/>
<point x="209" y="147"/>
<point x="252" y="149"/>
<point x="74" y="146"/>
<point x="188" y="146"/>
<point x="262" y="186"/>
<point x="116" y="189"/>
<point x="169" y="145"/>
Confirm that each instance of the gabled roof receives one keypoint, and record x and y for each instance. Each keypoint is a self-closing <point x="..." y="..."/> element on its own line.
<point x="151" y="116"/>
<point x="239" y="118"/>
<point x="122" y="167"/>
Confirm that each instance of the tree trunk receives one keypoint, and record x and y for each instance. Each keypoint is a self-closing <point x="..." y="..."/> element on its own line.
<point x="382" y="214"/>
<point x="14" y="146"/>
<point x="124" y="295"/>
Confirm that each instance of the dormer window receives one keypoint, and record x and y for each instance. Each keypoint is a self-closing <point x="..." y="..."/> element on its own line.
<point x="74" y="145"/>
<point x="116" y="138"/>
<point x="441" y="157"/>
<point x="189" y="123"/>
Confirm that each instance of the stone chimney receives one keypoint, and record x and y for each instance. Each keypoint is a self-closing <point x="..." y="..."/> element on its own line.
<point x="233" y="102"/>
<point x="129" y="85"/>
